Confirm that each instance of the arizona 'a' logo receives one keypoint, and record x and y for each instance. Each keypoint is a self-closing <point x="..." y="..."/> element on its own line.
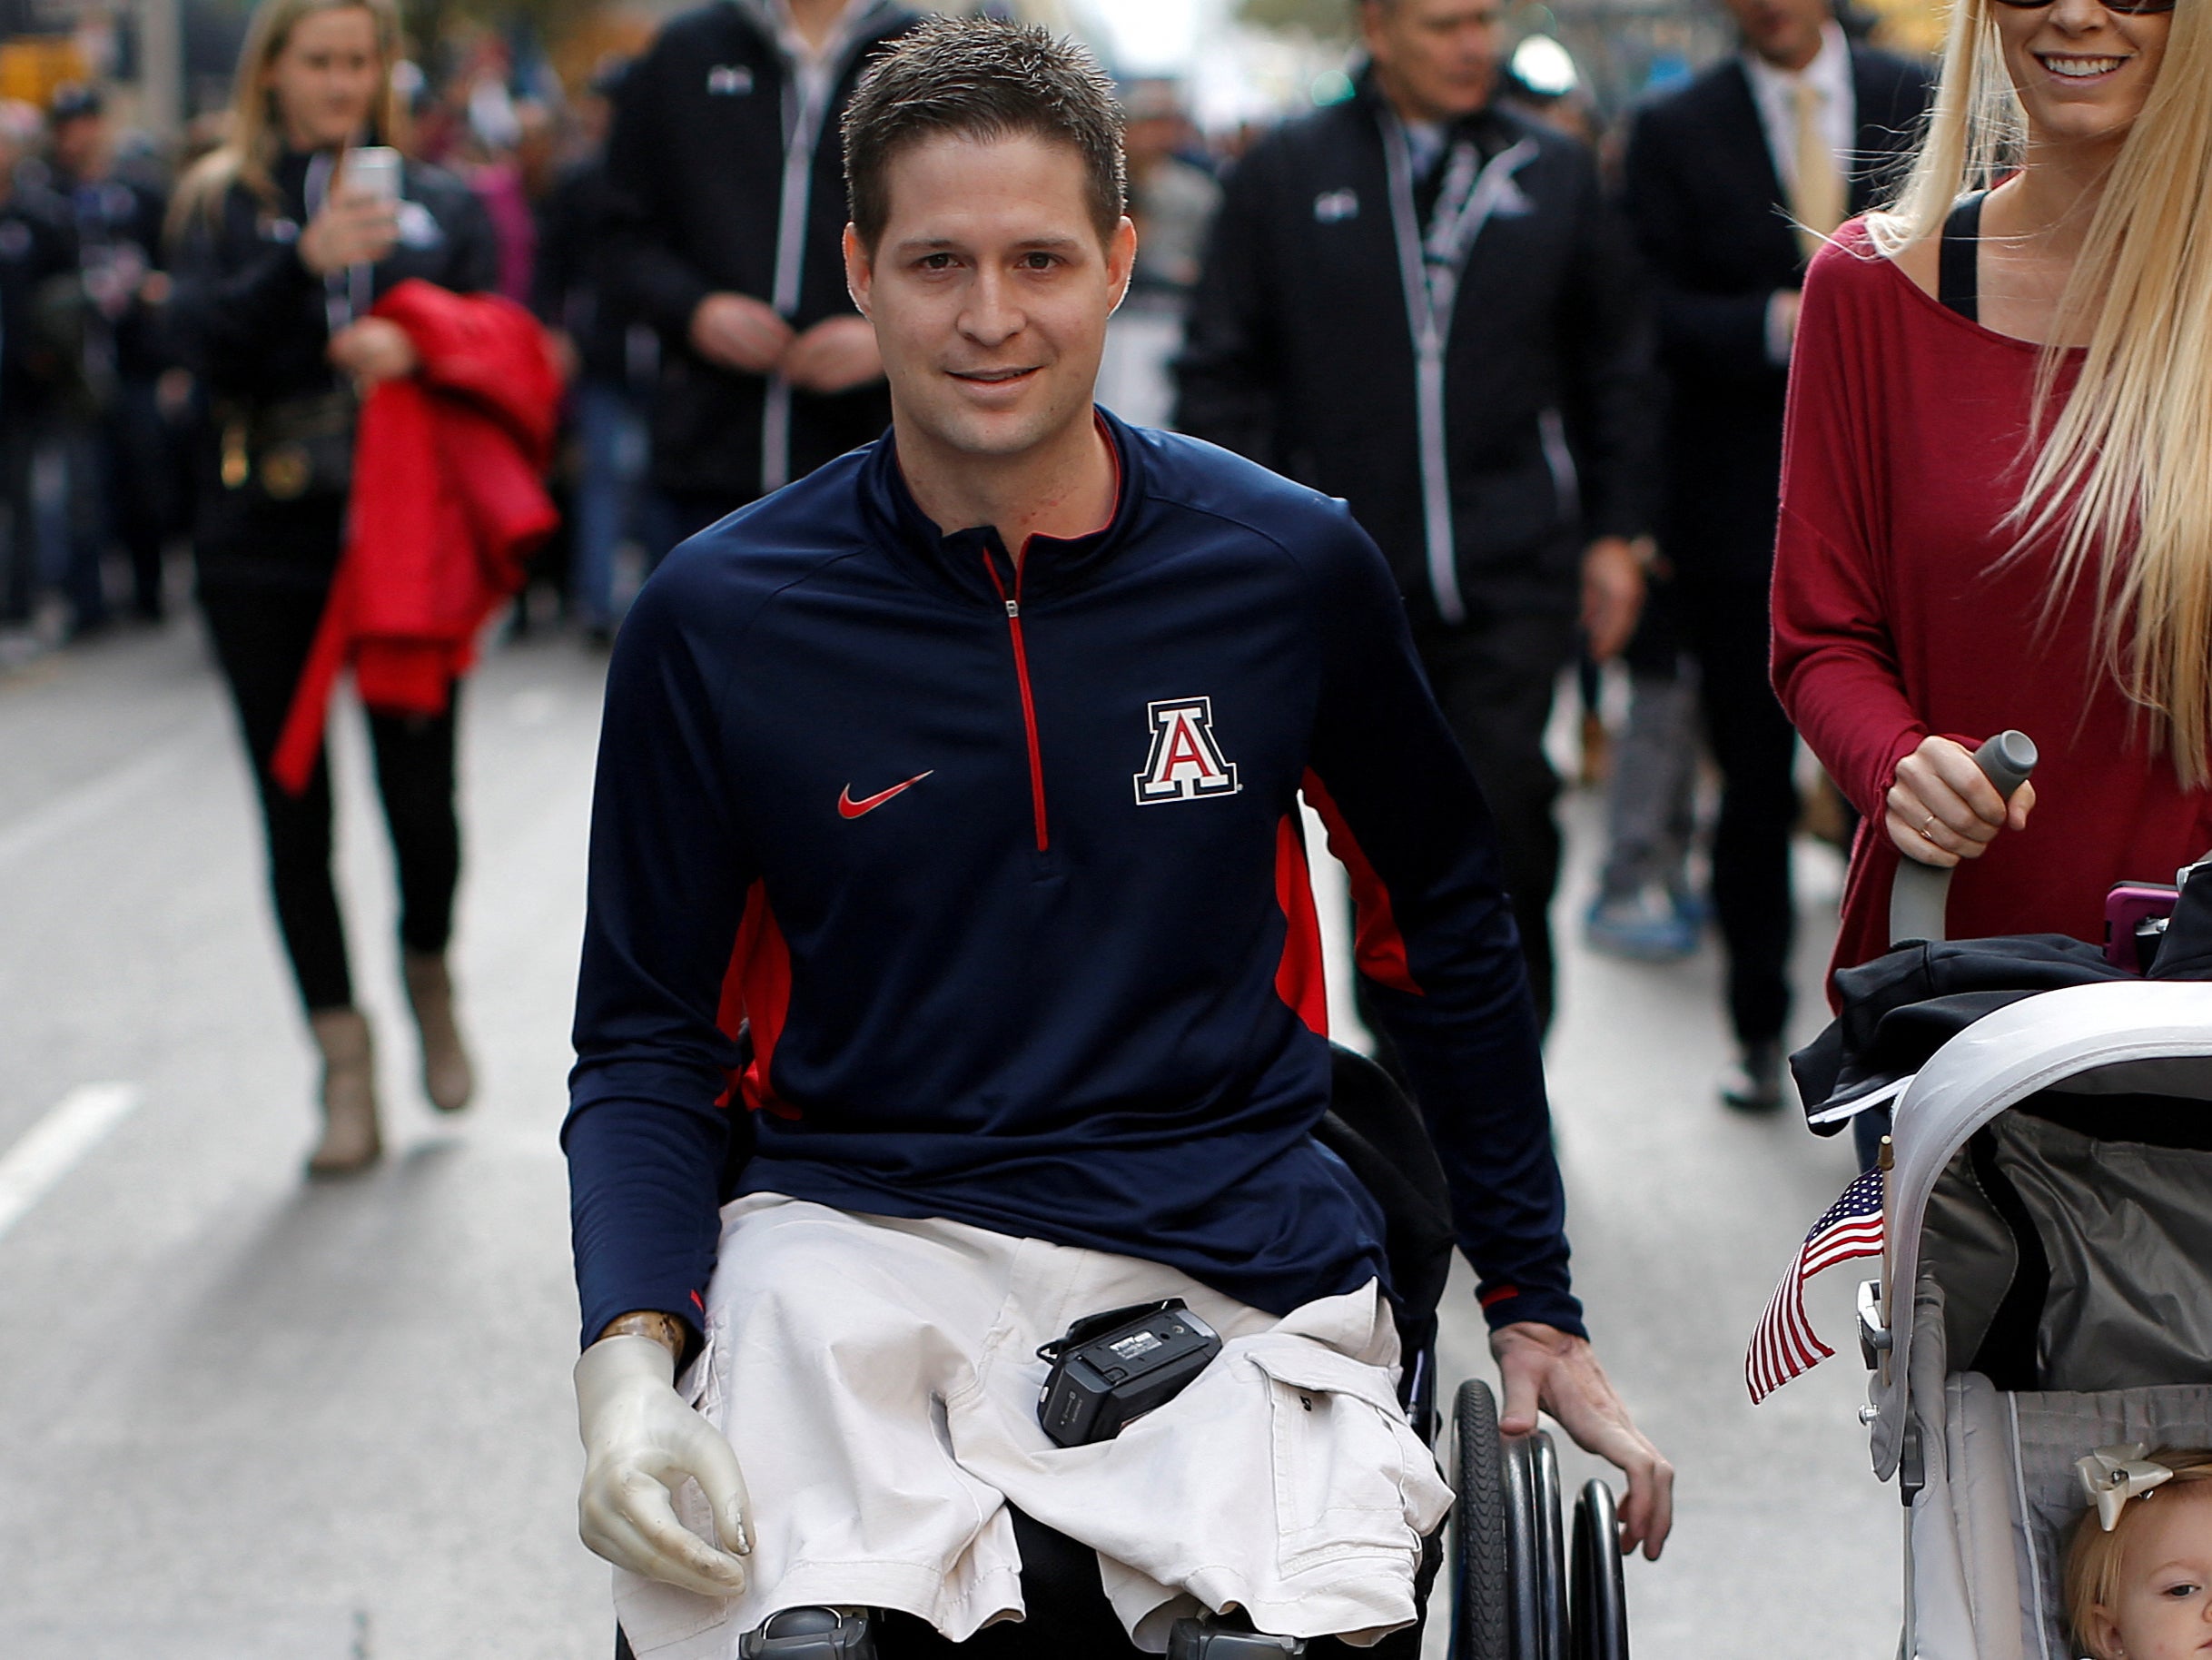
<point x="1186" y="764"/>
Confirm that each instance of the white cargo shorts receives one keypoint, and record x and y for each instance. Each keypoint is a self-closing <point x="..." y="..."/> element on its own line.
<point x="878" y="1379"/>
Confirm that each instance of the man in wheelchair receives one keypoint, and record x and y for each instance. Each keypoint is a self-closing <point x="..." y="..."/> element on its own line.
<point x="951" y="975"/>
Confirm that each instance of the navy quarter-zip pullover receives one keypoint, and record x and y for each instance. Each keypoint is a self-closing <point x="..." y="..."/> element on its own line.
<point x="1004" y="867"/>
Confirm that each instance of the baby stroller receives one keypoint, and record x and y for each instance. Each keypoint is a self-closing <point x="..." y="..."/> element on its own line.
<point x="2046" y="1270"/>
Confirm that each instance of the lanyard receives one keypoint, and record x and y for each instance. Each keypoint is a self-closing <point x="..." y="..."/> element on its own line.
<point x="1472" y="191"/>
<point x="1430" y="267"/>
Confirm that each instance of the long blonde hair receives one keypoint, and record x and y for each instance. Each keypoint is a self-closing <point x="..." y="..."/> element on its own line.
<point x="2120" y="469"/>
<point x="255" y="133"/>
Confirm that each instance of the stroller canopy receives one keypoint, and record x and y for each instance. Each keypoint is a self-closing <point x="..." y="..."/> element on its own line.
<point x="2132" y="1037"/>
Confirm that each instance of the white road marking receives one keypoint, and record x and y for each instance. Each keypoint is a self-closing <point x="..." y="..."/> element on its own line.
<point x="97" y="801"/>
<point x="50" y="1148"/>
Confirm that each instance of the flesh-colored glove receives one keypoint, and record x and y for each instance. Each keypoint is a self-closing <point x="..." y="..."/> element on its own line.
<point x="640" y="1442"/>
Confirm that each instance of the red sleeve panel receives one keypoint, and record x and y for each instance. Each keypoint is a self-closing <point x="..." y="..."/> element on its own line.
<point x="1378" y="948"/>
<point x="756" y="993"/>
<point x="1300" y="980"/>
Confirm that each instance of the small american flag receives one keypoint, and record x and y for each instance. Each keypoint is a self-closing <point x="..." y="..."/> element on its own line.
<point x="1785" y="1345"/>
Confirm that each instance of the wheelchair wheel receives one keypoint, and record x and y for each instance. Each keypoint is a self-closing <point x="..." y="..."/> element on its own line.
<point x="1599" y="1591"/>
<point x="1480" y="1629"/>
<point x="1535" y="1548"/>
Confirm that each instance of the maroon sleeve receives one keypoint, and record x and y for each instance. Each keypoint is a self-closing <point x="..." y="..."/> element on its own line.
<point x="1835" y="662"/>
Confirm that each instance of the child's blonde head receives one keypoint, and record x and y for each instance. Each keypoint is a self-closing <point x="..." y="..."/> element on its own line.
<point x="2095" y="1557"/>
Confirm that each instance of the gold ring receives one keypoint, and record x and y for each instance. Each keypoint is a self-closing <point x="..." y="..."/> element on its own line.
<point x="1924" y="824"/>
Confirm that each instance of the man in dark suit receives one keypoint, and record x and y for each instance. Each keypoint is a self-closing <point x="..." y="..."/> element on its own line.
<point x="1423" y="302"/>
<point x="1732" y="183"/>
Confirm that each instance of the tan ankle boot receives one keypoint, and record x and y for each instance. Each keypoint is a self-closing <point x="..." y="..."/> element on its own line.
<point x="349" y="1138"/>
<point x="447" y="1079"/>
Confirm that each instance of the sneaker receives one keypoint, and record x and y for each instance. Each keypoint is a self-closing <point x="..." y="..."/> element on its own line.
<point x="1644" y="927"/>
<point x="1754" y="1084"/>
<point x="1695" y="908"/>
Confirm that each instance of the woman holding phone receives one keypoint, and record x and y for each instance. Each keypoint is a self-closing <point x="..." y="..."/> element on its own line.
<point x="284" y="238"/>
<point x="1997" y="485"/>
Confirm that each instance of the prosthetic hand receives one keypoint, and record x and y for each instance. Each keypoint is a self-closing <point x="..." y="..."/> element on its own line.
<point x="640" y="1442"/>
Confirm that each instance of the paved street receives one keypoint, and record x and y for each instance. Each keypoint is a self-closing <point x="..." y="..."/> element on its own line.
<point x="244" y="1418"/>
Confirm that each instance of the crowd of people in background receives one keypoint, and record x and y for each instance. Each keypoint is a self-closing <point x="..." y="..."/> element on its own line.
<point x="101" y="406"/>
<point x="1572" y="453"/>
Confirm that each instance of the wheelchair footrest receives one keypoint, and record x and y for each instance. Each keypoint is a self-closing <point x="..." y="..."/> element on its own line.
<point x="1202" y="1640"/>
<point x="811" y="1634"/>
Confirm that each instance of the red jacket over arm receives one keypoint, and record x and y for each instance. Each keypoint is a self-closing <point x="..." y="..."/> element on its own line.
<point x="1898" y="612"/>
<point x="449" y="501"/>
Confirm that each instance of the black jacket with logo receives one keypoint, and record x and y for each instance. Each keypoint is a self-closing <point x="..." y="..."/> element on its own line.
<point x="1301" y="354"/>
<point x="704" y="160"/>
<point x="120" y="217"/>
<point x="1004" y="870"/>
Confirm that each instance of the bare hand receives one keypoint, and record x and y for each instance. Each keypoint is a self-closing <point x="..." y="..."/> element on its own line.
<point x="737" y="331"/>
<point x="1942" y="808"/>
<point x="173" y="392"/>
<point x="568" y="361"/>
<point x="1788" y="302"/>
<point x="352" y="228"/>
<point x="1542" y="1366"/>
<point x="835" y="355"/>
<point x="1612" y="595"/>
<point x="373" y="349"/>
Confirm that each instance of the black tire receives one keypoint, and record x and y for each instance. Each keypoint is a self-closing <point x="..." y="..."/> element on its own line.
<point x="1524" y="1588"/>
<point x="1534" y="1548"/>
<point x="1600" y="1589"/>
<point x="1479" y="1572"/>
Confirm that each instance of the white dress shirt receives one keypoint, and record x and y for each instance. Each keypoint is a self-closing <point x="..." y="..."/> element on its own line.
<point x="1774" y="91"/>
<point x="1774" y="94"/>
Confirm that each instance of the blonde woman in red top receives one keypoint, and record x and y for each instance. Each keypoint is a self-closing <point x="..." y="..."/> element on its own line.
<point x="1997" y="485"/>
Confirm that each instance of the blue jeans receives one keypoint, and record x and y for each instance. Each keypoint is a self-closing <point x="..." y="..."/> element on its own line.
<point x="611" y="439"/>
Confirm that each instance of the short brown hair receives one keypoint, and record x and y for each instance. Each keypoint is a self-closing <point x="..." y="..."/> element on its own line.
<point x="2093" y="1556"/>
<point x="980" y="79"/>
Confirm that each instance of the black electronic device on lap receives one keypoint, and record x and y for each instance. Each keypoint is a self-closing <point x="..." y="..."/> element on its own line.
<point x="1113" y="1368"/>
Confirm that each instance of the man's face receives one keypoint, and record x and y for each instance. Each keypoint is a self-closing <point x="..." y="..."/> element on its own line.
<point x="1785" y="33"/>
<point x="80" y="146"/>
<point x="1438" y="60"/>
<point x="989" y="290"/>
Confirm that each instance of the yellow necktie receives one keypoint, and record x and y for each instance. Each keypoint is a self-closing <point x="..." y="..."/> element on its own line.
<point x="1816" y="190"/>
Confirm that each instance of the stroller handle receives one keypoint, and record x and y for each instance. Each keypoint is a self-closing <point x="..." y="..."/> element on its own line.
<point x="1918" y="891"/>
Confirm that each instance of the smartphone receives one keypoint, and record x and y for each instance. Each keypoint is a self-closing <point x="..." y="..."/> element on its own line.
<point x="373" y="169"/>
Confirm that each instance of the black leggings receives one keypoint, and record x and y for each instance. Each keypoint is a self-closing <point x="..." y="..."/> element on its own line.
<point x="261" y="636"/>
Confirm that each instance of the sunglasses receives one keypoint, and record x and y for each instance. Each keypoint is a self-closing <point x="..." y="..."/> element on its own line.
<point x="2130" y="9"/>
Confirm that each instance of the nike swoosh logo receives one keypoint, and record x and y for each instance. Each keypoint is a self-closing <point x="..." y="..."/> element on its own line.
<point x="849" y="808"/>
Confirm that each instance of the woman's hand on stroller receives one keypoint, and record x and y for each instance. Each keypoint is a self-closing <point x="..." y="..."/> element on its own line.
<point x="1941" y="808"/>
<point x="1544" y="1367"/>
